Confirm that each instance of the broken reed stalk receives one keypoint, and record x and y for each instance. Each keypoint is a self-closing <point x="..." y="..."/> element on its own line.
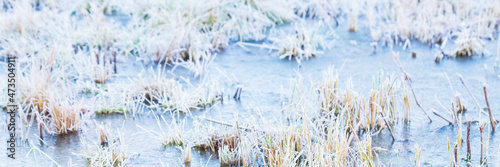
<point x="437" y="114"/>
<point x="227" y="124"/>
<point x="492" y="120"/>
<point x="452" y="114"/>
<point x="481" y="129"/>
<point x="395" y="58"/>
<point x="470" y="92"/>
<point x="388" y="126"/>
<point x="468" y="158"/>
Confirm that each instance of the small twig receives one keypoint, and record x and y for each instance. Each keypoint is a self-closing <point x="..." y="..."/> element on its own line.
<point x="437" y="114"/>
<point x="492" y="120"/>
<point x="395" y="58"/>
<point x="388" y="126"/>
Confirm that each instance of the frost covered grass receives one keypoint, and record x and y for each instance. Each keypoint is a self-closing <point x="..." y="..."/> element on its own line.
<point x="108" y="150"/>
<point x="69" y="54"/>
<point x="329" y="128"/>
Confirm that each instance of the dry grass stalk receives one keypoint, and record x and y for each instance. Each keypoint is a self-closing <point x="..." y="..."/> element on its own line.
<point x="492" y="120"/>
<point x="469" y="154"/>
<point x="395" y="58"/>
<point x="458" y="144"/>
<point x="439" y="115"/>
<point x="481" y="129"/>
<point x="417" y="155"/>
<point x="388" y="126"/>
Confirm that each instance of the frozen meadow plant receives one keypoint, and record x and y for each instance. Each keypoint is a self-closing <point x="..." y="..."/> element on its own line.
<point x="64" y="115"/>
<point x="303" y="43"/>
<point x="107" y="150"/>
<point x="468" y="46"/>
<point x="327" y="11"/>
<point x="170" y="95"/>
<point x="369" y="113"/>
<point x="199" y="29"/>
<point x="431" y="21"/>
<point x="117" y="98"/>
<point x="173" y="134"/>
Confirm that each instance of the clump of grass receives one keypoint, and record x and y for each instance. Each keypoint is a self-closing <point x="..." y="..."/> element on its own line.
<point x="174" y="135"/>
<point x="382" y="99"/>
<point x="217" y="140"/>
<point x="468" y="46"/>
<point x="282" y="148"/>
<point x="59" y="113"/>
<point x="305" y="43"/>
<point x="34" y="93"/>
<point x="64" y="115"/>
<point x="228" y="156"/>
<point x="169" y="95"/>
<point x="107" y="150"/>
<point x="328" y="90"/>
<point x="157" y="92"/>
<point x="116" y="101"/>
<point x="226" y="143"/>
